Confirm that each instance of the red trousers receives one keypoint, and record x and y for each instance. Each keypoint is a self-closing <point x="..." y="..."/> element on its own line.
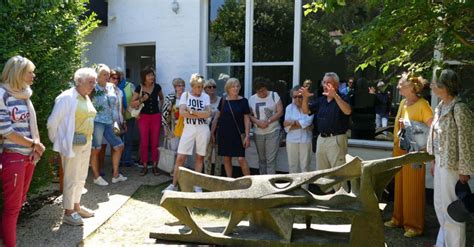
<point x="17" y="171"/>
<point x="149" y="127"/>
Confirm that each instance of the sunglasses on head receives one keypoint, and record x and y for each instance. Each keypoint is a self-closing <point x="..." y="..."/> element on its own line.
<point x="211" y="87"/>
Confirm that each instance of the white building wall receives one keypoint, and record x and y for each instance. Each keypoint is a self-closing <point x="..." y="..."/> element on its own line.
<point x="151" y="22"/>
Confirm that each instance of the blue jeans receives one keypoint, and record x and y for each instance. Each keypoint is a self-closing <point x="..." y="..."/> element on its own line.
<point x="106" y="131"/>
<point x="128" y="142"/>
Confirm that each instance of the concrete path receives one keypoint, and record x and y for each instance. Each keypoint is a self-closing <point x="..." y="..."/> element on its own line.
<point x="45" y="227"/>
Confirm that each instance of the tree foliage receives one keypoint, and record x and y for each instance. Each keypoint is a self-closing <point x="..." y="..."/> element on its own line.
<point x="50" y="34"/>
<point x="404" y="34"/>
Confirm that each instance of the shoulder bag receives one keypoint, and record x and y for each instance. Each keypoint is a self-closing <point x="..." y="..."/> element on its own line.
<point x="242" y="135"/>
<point x="167" y="157"/>
<point x="178" y="129"/>
<point x="134" y="112"/>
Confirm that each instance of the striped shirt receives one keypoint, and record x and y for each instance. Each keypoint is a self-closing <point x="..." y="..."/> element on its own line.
<point x="14" y="117"/>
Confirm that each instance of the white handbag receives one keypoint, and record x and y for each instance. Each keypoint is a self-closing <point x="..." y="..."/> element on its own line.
<point x="134" y="112"/>
<point x="167" y="157"/>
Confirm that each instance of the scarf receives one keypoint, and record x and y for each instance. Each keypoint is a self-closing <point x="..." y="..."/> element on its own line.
<point x="122" y="85"/>
<point x="25" y="94"/>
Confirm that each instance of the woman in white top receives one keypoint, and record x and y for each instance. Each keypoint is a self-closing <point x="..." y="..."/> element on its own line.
<point x="266" y="108"/>
<point x="211" y="155"/>
<point x="298" y="139"/>
<point x="72" y="119"/>
<point x="195" y="108"/>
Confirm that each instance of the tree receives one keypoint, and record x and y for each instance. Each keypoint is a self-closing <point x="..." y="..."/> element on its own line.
<point x="404" y="34"/>
<point x="52" y="35"/>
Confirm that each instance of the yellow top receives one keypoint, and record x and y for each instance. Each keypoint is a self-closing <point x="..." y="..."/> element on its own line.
<point x="420" y="111"/>
<point x="84" y="118"/>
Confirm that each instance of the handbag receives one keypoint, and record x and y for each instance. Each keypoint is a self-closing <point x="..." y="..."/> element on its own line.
<point x="167" y="157"/>
<point x="134" y="112"/>
<point x="242" y="135"/>
<point x="79" y="139"/>
<point x="118" y="129"/>
<point x="178" y="129"/>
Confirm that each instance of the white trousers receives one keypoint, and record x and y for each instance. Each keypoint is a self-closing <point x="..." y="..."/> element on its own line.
<point x="299" y="157"/>
<point x="451" y="233"/>
<point x="75" y="174"/>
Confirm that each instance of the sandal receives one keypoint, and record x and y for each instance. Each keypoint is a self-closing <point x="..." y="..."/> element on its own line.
<point x="144" y="171"/>
<point x="155" y="170"/>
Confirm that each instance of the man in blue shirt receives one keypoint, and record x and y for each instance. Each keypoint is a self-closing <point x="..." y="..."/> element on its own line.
<point x="332" y="117"/>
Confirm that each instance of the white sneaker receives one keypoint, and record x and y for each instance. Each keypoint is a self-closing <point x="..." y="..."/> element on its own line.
<point x="170" y="187"/>
<point x="197" y="189"/>
<point x="100" y="181"/>
<point x="74" y="219"/>
<point x="120" y="178"/>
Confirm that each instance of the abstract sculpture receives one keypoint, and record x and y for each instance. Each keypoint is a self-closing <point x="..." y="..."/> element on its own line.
<point x="271" y="203"/>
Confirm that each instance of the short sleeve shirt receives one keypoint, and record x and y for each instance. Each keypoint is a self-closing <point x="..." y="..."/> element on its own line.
<point x="329" y="117"/>
<point x="263" y="109"/>
<point x="151" y="105"/>
<point x="106" y="102"/>
<point x="196" y="104"/>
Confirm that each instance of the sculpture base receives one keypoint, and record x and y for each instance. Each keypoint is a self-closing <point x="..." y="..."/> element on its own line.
<point x="243" y="235"/>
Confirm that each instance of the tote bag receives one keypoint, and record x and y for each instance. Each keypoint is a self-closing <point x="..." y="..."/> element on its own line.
<point x="167" y="157"/>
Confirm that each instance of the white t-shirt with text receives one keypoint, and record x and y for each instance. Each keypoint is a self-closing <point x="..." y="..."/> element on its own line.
<point x="196" y="104"/>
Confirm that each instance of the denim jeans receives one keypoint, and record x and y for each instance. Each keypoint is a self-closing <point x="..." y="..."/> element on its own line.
<point x="128" y="142"/>
<point x="106" y="131"/>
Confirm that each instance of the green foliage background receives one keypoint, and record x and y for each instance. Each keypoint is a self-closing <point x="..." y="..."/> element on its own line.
<point x="51" y="34"/>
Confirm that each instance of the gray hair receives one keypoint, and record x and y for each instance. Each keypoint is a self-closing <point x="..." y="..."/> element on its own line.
<point x="84" y="73"/>
<point x="210" y="82"/>
<point x="449" y="80"/>
<point x="295" y="88"/>
<point x="177" y="81"/>
<point x="333" y="75"/>
<point x="120" y="71"/>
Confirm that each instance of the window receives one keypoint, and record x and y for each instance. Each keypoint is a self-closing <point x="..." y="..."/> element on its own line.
<point x="253" y="38"/>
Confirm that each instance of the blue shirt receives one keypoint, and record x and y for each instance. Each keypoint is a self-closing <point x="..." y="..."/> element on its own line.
<point x="329" y="117"/>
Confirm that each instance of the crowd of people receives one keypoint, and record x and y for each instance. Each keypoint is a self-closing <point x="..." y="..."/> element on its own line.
<point x="102" y="108"/>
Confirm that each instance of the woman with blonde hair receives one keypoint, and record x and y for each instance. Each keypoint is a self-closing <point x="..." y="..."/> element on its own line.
<point x="195" y="107"/>
<point x="232" y="123"/>
<point x="70" y="128"/>
<point x="106" y="102"/>
<point x="22" y="146"/>
<point x="409" y="200"/>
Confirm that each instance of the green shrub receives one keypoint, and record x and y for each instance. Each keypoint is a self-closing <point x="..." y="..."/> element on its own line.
<point x="52" y="35"/>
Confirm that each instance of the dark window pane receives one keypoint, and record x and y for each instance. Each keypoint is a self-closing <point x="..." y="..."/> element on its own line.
<point x="280" y="80"/>
<point x="273" y="30"/>
<point x="226" y="31"/>
<point x="220" y="74"/>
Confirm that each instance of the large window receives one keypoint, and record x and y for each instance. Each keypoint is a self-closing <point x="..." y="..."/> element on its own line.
<point x="254" y="38"/>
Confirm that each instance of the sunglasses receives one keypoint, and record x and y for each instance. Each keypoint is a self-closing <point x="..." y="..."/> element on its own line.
<point x="209" y="87"/>
<point x="297" y="97"/>
<point x="114" y="77"/>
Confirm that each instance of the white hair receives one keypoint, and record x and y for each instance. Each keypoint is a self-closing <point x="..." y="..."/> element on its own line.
<point x="83" y="73"/>
<point x="333" y="75"/>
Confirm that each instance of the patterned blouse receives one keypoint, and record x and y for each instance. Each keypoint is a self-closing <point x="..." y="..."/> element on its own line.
<point x="452" y="137"/>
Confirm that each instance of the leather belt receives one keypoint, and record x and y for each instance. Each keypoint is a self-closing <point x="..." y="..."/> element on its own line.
<point x="330" y="134"/>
